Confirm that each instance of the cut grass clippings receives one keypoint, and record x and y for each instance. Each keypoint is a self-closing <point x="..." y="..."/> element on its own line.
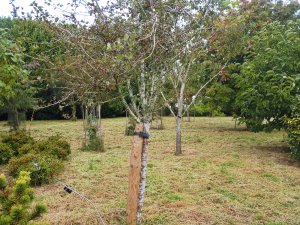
<point x="225" y="175"/>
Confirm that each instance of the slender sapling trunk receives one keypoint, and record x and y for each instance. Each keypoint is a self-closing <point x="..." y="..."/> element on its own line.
<point x="142" y="186"/>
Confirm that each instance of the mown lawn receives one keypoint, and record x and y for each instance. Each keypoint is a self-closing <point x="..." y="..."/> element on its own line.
<point x="226" y="175"/>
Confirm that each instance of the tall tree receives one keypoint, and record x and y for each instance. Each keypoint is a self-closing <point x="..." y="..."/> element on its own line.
<point x="16" y="94"/>
<point x="269" y="80"/>
<point x="188" y="26"/>
<point x="41" y="51"/>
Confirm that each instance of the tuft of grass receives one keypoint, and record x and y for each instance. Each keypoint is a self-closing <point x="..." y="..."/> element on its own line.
<point x="227" y="194"/>
<point x="201" y="164"/>
<point x="199" y="139"/>
<point x="174" y="197"/>
<point x="270" y="177"/>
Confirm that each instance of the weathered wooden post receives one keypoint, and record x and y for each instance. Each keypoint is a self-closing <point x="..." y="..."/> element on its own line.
<point x="134" y="176"/>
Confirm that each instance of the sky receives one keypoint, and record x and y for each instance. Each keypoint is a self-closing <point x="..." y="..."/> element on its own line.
<point x="6" y="8"/>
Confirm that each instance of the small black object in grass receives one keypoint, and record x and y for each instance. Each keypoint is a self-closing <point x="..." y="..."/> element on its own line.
<point x="142" y="134"/>
<point x="67" y="189"/>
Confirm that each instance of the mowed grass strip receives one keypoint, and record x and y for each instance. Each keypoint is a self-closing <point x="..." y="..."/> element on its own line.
<point x="226" y="175"/>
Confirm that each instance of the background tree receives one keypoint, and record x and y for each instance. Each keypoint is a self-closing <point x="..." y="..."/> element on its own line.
<point x="269" y="79"/>
<point x="233" y="34"/>
<point x="41" y="51"/>
<point x="187" y="31"/>
<point x="16" y="92"/>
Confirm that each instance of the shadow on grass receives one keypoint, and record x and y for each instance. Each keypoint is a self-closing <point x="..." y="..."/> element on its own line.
<point x="232" y="129"/>
<point x="281" y="154"/>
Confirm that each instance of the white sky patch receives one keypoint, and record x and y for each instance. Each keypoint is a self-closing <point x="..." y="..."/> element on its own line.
<point x="6" y="8"/>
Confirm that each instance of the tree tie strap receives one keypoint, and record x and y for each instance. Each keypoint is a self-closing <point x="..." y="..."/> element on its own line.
<point x="142" y="134"/>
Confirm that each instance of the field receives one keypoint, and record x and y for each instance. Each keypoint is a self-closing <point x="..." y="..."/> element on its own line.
<point x="226" y="175"/>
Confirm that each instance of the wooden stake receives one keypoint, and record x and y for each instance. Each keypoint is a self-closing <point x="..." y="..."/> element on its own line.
<point x="134" y="176"/>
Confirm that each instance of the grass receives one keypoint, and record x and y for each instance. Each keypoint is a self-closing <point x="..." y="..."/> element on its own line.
<point x="225" y="176"/>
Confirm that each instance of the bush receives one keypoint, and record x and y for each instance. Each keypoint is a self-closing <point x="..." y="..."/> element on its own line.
<point x="16" y="202"/>
<point x="294" y="136"/>
<point x="28" y="148"/>
<point x="16" y="164"/>
<point x="294" y="143"/>
<point x="42" y="168"/>
<point x="55" y="146"/>
<point x="17" y="140"/>
<point x="42" y="158"/>
<point x="95" y="144"/>
<point x="5" y="153"/>
<point x="205" y="110"/>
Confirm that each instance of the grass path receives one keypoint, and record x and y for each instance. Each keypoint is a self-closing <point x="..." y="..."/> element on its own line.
<point x="225" y="176"/>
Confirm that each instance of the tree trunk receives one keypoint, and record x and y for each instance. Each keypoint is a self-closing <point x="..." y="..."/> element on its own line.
<point x="179" y="120"/>
<point x="134" y="179"/>
<point x="178" y="135"/>
<point x="13" y="118"/>
<point x="17" y="122"/>
<point x="142" y="187"/>
<point x="86" y="125"/>
<point x="126" y="122"/>
<point x="74" y="111"/>
<point x="194" y="115"/>
<point x="156" y="122"/>
<point x="161" y="120"/>
<point x="99" y="120"/>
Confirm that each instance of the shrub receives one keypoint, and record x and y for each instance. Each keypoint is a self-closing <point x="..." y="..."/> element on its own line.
<point x="294" y="136"/>
<point x="55" y="146"/>
<point x="42" y="158"/>
<point x="42" y="168"/>
<point x="95" y="144"/>
<point x="16" y="140"/>
<point x="294" y="143"/>
<point x="16" y="202"/>
<point x="16" y="164"/>
<point x="28" y="148"/>
<point x="5" y="153"/>
<point x="205" y="110"/>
